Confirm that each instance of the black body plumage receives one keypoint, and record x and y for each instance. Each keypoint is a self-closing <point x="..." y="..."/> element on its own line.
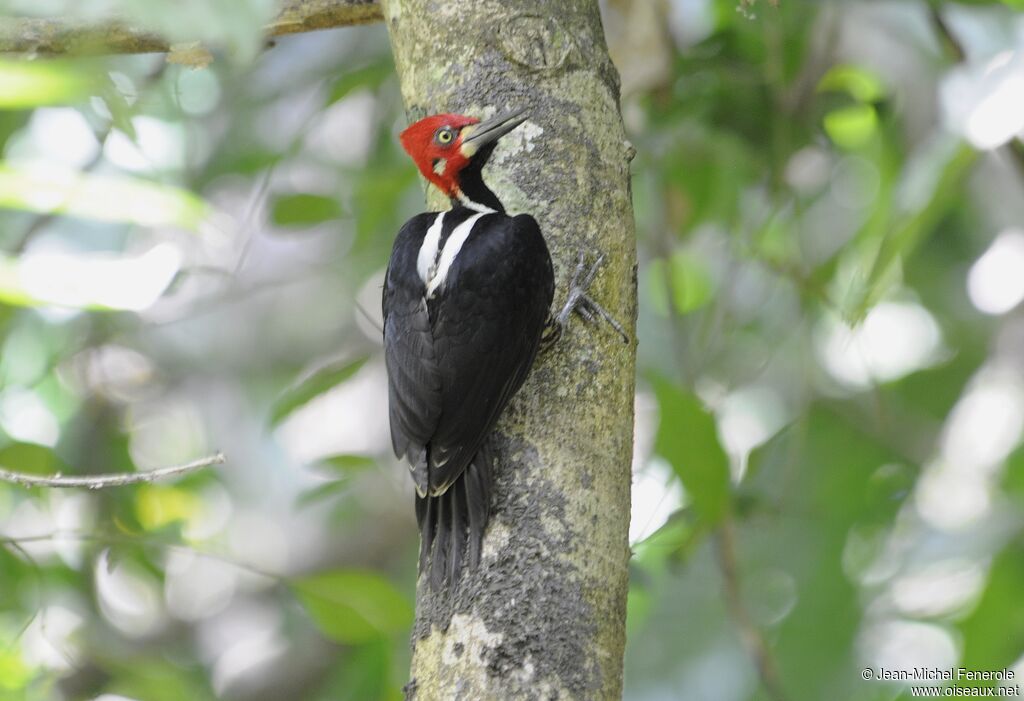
<point x="456" y="353"/>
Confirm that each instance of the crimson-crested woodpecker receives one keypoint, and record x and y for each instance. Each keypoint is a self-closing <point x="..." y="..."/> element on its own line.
<point x="467" y="298"/>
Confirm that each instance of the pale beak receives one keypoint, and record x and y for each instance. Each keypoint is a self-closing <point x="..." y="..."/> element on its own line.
<point x="476" y="136"/>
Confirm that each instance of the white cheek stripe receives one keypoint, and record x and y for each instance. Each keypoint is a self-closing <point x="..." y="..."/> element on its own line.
<point x="451" y="249"/>
<point x="426" y="261"/>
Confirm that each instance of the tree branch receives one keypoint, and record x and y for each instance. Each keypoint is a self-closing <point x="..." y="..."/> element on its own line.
<point x="750" y="634"/>
<point x="25" y="35"/>
<point x="112" y="480"/>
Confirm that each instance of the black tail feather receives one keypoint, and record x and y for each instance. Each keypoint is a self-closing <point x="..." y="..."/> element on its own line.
<point x="453" y="523"/>
<point x="425" y="515"/>
<point x="443" y="534"/>
<point x="478" y="500"/>
<point x="457" y="509"/>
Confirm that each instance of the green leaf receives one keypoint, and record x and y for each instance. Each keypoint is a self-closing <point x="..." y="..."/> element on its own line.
<point x="918" y="217"/>
<point x="686" y="277"/>
<point x="639" y="603"/>
<point x="28" y="84"/>
<point x="818" y="474"/>
<point x="312" y="386"/>
<point x="140" y="677"/>
<point x="675" y="540"/>
<point x="31" y="459"/>
<point x="54" y="190"/>
<point x="343" y="468"/>
<point x="852" y="127"/>
<point x="993" y="633"/>
<point x="688" y="439"/>
<point x="353" y="606"/>
<point x="348" y="464"/>
<point x="371" y="76"/>
<point x="364" y="676"/>
<point x="858" y="82"/>
<point x="304" y="209"/>
<point x="321" y="492"/>
<point x="15" y="674"/>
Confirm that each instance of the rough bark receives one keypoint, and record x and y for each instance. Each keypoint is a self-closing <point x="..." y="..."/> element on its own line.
<point x="543" y="617"/>
<point x="50" y="36"/>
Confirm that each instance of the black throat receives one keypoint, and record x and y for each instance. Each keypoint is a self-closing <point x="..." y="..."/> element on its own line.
<point x="472" y="185"/>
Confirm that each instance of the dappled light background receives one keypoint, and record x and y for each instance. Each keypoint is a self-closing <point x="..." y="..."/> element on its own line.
<point x="828" y="471"/>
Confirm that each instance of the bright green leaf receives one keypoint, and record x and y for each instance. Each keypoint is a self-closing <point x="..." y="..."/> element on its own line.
<point x="353" y="606"/>
<point x="852" y="127"/>
<point x="994" y="631"/>
<point x="314" y="385"/>
<point x="858" y="82"/>
<point x="688" y="439"/>
<point x="304" y="209"/>
<point x="30" y="458"/>
<point x="675" y="539"/>
<point x="29" y="84"/>
<point x="687" y="278"/>
<point x="53" y="190"/>
<point x="14" y="673"/>
<point x="371" y="76"/>
<point x="348" y="464"/>
<point x="157" y="506"/>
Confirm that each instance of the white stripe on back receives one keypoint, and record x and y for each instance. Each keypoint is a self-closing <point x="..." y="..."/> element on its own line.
<point x="451" y="249"/>
<point x="426" y="261"/>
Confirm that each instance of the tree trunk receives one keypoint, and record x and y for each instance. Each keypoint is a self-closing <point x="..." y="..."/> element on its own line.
<point x="543" y="617"/>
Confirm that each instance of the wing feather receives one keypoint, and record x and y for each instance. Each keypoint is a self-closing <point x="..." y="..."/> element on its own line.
<point x="414" y="380"/>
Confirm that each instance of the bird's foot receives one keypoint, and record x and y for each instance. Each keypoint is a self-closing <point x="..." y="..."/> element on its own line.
<point x="581" y="303"/>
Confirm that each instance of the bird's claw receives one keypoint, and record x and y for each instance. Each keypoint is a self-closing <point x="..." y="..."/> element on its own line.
<point x="582" y="303"/>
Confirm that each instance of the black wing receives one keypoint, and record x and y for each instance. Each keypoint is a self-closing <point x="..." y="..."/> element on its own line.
<point x="414" y="380"/>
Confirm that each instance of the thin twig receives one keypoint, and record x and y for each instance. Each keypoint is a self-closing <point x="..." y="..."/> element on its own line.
<point x="111" y="480"/>
<point x="751" y="635"/>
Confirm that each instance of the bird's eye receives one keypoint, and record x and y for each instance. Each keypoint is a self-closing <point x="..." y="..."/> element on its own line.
<point x="444" y="136"/>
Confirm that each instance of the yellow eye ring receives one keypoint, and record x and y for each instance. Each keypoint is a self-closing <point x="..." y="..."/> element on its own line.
<point x="444" y="136"/>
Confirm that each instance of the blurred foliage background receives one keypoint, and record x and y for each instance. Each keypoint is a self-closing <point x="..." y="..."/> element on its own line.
<point x="828" y="472"/>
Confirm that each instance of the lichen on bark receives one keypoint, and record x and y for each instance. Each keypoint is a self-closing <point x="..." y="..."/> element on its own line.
<point x="543" y="616"/>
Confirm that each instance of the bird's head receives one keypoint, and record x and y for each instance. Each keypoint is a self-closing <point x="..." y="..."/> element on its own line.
<point x="445" y="145"/>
